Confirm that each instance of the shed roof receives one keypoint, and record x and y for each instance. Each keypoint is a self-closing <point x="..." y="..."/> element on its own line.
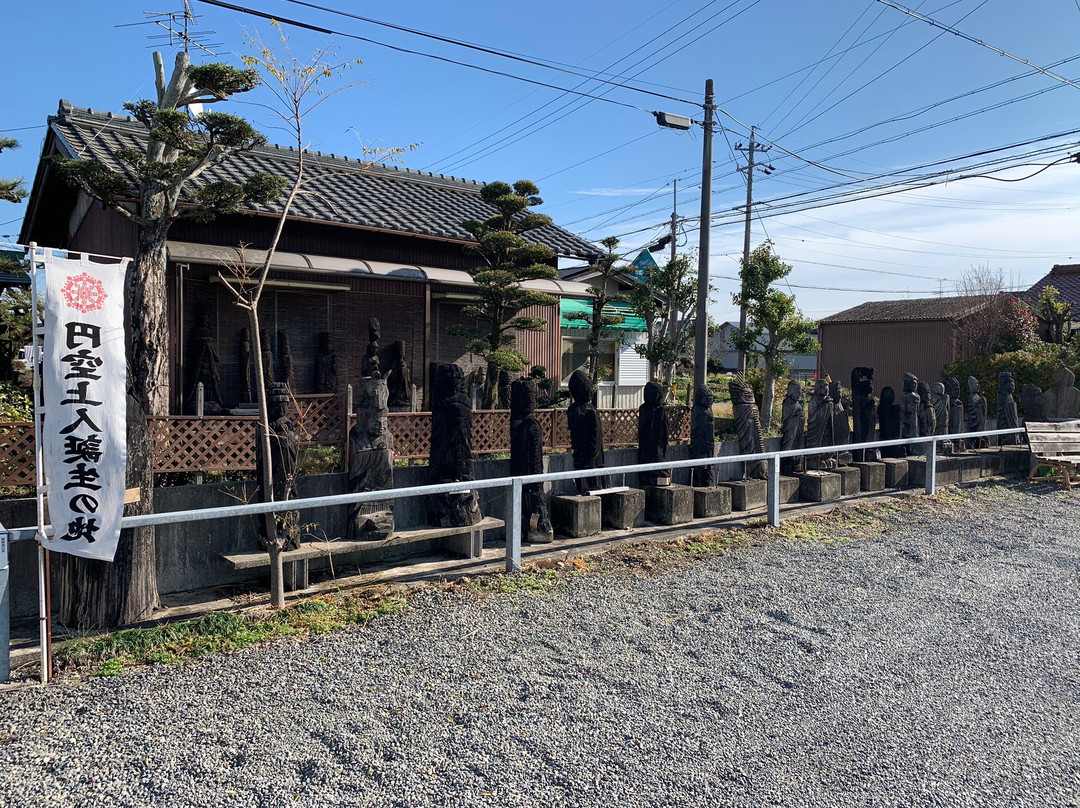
<point x="344" y="191"/>
<point x="915" y="310"/>
<point x="1063" y="277"/>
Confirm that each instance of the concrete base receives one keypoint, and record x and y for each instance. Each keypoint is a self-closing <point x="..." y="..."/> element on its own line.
<point x="466" y="545"/>
<point x="819" y="486"/>
<point x="970" y="468"/>
<point x="747" y="494"/>
<point x="992" y="462"/>
<point x="789" y="489"/>
<point x="896" y="472"/>
<point x="623" y="510"/>
<point x="948" y="470"/>
<point x="1017" y="459"/>
<point x="295" y="574"/>
<point x="850" y="480"/>
<point x="916" y="471"/>
<point x="575" y="516"/>
<point x="712" y="502"/>
<point x="872" y="475"/>
<point x="669" y="504"/>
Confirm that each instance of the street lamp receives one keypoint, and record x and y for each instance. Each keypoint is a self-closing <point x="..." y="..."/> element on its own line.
<point x="701" y="327"/>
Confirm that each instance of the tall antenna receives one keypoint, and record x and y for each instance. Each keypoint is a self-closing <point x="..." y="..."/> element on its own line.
<point x="180" y="28"/>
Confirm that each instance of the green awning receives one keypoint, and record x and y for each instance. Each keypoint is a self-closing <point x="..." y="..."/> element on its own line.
<point x="570" y="306"/>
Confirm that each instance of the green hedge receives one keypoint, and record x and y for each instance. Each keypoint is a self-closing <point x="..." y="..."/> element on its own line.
<point x="1035" y="366"/>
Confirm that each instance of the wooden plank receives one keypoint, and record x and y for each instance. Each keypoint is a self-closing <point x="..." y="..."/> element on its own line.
<point x="1044" y="446"/>
<point x="254" y="559"/>
<point x="1072" y="427"/>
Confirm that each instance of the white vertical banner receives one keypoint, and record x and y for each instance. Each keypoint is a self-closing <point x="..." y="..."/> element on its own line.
<point x="84" y="381"/>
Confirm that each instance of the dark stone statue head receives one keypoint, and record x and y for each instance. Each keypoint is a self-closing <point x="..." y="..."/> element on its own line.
<point x="911" y="382"/>
<point x="862" y="381"/>
<point x="952" y="386"/>
<point x="938" y="389"/>
<point x="654" y="394"/>
<point x="794" y="390"/>
<point x="374" y="329"/>
<point x="741" y="392"/>
<point x="522" y="398"/>
<point x="821" y="387"/>
<point x="888" y="396"/>
<point x="446" y="384"/>
<point x="923" y="389"/>
<point x="277" y="400"/>
<point x="835" y="392"/>
<point x="580" y="387"/>
<point x="973" y="385"/>
<point x="703" y="396"/>
<point x="1006" y="383"/>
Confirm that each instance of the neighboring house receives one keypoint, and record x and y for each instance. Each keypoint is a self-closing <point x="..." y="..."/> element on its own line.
<point x="363" y="242"/>
<point x="803" y="366"/>
<point x="1066" y="279"/>
<point x="897" y="336"/>
<point x="622" y="371"/>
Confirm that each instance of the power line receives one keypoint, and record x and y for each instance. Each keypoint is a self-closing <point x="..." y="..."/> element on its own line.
<point x="979" y="42"/>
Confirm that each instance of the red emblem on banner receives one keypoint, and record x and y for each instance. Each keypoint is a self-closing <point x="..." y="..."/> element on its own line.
<point x="84" y="293"/>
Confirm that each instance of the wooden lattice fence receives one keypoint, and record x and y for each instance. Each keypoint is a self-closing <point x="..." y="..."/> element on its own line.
<point x="186" y="443"/>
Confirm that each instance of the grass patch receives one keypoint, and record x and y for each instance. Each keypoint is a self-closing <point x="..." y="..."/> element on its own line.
<point x="220" y="631"/>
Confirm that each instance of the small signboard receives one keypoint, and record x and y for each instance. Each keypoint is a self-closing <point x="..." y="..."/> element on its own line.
<point x="4" y="540"/>
<point x="644" y="261"/>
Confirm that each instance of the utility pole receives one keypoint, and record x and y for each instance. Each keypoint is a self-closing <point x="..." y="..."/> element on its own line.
<point x="746" y="234"/>
<point x="701" y="326"/>
<point x="674" y="215"/>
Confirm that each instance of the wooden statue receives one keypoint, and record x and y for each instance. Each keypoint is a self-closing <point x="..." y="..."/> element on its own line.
<point x="283" y="450"/>
<point x="527" y="457"/>
<point x="325" y="366"/>
<point x="793" y="427"/>
<point x="702" y="437"/>
<point x="863" y="413"/>
<point x="653" y="431"/>
<point x="586" y="432"/>
<point x="371" y="463"/>
<point x="748" y="427"/>
<point x="451" y="457"/>
<point x="976" y="414"/>
<point x="1007" y="417"/>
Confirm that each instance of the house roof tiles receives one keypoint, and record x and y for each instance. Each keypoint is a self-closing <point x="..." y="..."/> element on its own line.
<point x="916" y="309"/>
<point x="1063" y="277"/>
<point x="343" y="191"/>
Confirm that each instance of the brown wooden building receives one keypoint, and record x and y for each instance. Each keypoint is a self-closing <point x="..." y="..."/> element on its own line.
<point x="896" y="336"/>
<point x="365" y="241"/>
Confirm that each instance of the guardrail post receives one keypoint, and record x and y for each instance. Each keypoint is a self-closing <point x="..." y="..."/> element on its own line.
<point x="5" y="609"/>
<point x="774" y="490"/>
<point x="931" y="467"/>
<point x="512" y="526"/>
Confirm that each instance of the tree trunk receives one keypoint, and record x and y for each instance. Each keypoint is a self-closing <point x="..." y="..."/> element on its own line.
<point x="277" y="579"/>
<point x="97" y="594"/>
<point x="768" y="394"/>
<point x="148" y="371"/>
<point x="491" y="388"/>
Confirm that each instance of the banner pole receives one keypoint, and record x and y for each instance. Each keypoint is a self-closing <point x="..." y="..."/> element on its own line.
<point x="44" y="601"/>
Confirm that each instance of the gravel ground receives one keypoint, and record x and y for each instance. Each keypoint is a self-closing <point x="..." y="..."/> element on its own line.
<point x="936" y="664"/>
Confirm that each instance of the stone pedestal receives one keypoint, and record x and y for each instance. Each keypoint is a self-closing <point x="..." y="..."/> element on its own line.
<point x="623" y="509"/>
<point x="948" y="470"/>
<point x="669" y="504"/>
<point x="295" y="575"/>
<point x="916" y="471"/>
<point x="747" y="494"/>
<point x="789" y="489"/>
<point x="872" y="475"/>
<point x="970" y="467"/>
<point x="1017" y="460"/>
<point x="575" y="516"/>
<point x="896" y="472"/>
<point x="819" y="486"/>
<point x="850" y="480"/>
<point x="992" y="462"/>
<point x="710" y="502"/>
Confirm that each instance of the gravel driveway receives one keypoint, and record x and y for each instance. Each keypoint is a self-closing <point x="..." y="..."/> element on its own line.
<point x="935" y="664"/>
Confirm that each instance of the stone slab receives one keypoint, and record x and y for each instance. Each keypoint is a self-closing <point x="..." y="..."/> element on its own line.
<point x="948" y="470"/>
<point x="1017" y="459"/>
<point x="710" y="502"/>
<point x="747" y="494"/>
<point x="992" y="462"/>
<point x="669" y="504"/>
<point x="819" y="486"/>
<point x="872" y="475"/>
<point x="850" y="480"/>
<point x="576" y="516"/>
<point x="623" y="510"/>
<point x="896" y="472"/>
<point x="970" y="468"/>
<point x="916" y="471"/>
<point x="789" y="489"/>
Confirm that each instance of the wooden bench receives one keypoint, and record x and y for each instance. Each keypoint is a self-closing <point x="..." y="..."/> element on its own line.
<point x="467" y="542"/>
<point x="1054" y="445"/>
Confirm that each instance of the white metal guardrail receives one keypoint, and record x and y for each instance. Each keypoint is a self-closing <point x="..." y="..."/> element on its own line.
<point x="513" y="487"/>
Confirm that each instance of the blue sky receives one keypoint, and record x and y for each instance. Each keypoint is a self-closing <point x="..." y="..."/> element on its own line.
<point x="841" y="89"/>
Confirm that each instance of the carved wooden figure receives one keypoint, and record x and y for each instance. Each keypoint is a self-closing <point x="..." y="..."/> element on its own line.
<point x="325" y="366"/>
<point x="1063" y="399"/>
<point x="451" y="457"/>
<point x="369" y="363"/>
<point x="748" y="427"/>
<point x="1007" y="417"/>
<point x="702" y="436"/>
<point x="864" y="412"/>
<point x="527" y="457"/>
<point x="399" y="377"/>
<point x="793" y="427"/>
<point x="371" y="463"/>
<point x="205" y="367"/>
<point x="889" y="419"/>
<point x="586" y="432"/>
<point x="957" y="418"/>
<point x="283" y="450"/>
<point x="653" y="431"/>
<point x="820" y="422"/>
<point x="976" y="414"/>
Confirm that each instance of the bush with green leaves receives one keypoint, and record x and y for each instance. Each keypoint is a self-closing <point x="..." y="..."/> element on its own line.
<point x="1035" y="365"/>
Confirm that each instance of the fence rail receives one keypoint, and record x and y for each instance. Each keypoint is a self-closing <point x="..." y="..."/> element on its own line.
<point x="188" y="443"/>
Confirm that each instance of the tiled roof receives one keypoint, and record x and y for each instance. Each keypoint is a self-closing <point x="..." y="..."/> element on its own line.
<point x="343" y="190"/>
<point x="923" y="308"/>
<point x="1063" y="277"/>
